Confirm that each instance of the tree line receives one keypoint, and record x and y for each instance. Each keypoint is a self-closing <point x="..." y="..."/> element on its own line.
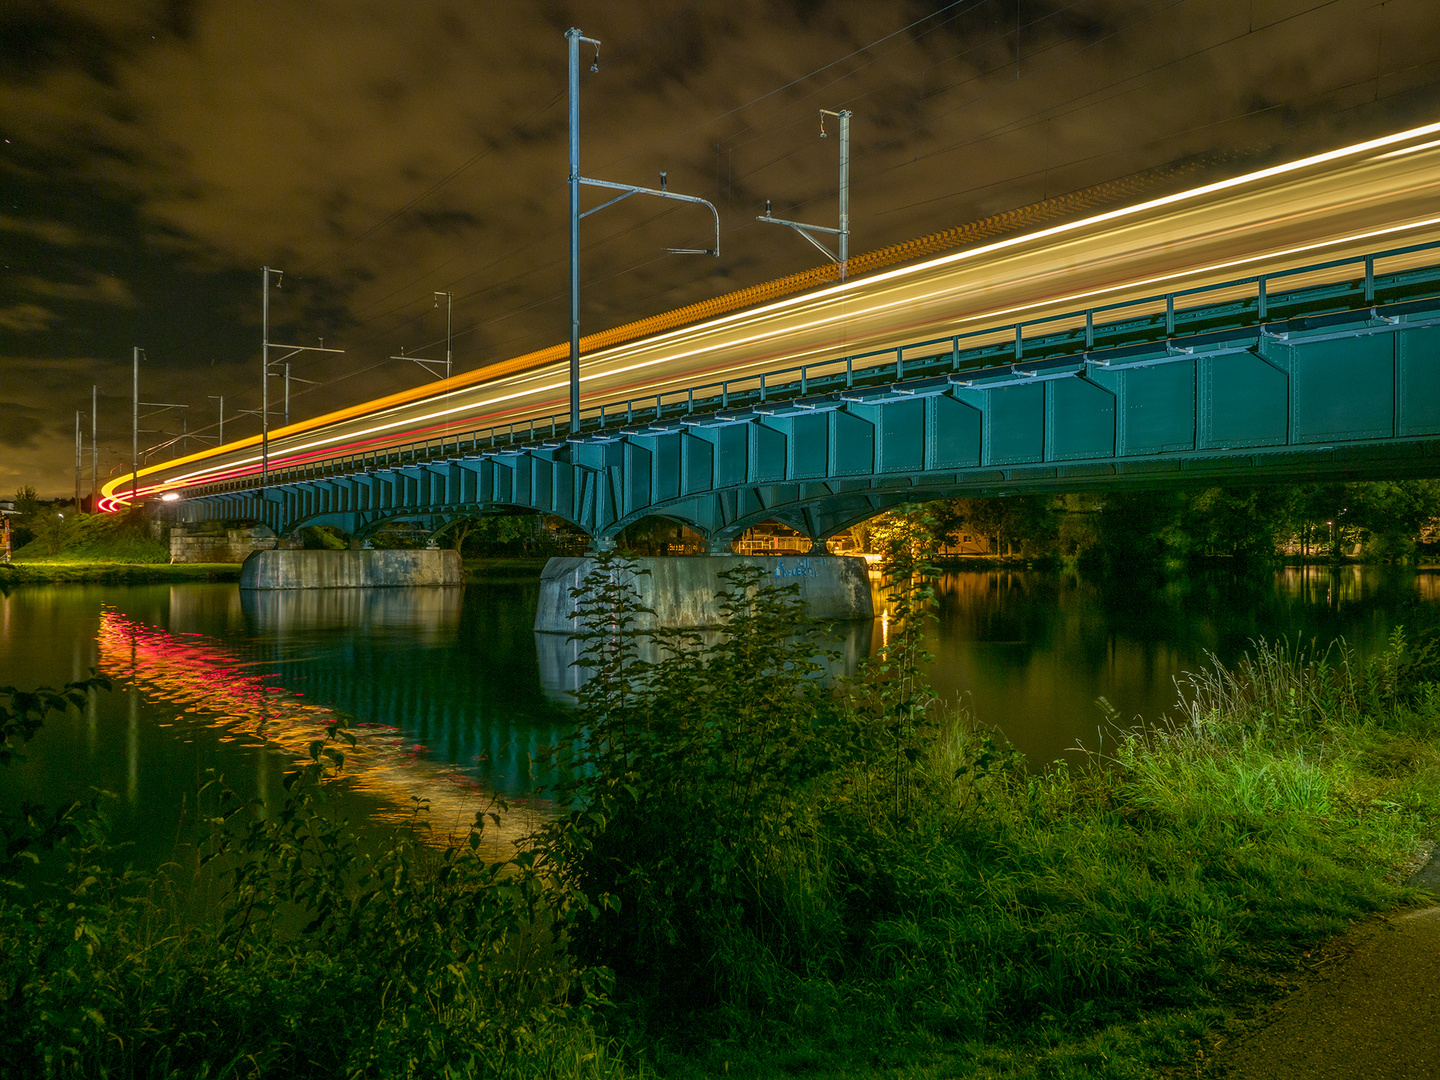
<point x="1382" y="521"/>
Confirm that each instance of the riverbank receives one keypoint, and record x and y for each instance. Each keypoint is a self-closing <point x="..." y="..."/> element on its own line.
<point x="889" y="893"/>
<point x="59" y="571"/>
<point x="503" y="570"/>
<point x="1102" y="922"/>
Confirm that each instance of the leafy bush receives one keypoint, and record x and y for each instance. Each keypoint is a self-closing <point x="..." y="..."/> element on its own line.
<point x="320" y="957"/>
<point x="690" y="778"/>
<point x="781" y="874"/>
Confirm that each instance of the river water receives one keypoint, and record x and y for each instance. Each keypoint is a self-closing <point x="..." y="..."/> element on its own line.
<point x="452" y="693"/>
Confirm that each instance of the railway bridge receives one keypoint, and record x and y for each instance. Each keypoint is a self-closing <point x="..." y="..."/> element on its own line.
<point x="1326" y="371"/>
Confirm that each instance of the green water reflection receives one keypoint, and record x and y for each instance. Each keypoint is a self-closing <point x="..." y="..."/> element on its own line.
<point x="1031" y="653"/>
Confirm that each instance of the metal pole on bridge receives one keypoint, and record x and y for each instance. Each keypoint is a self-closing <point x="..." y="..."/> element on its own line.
<point x="135" y="429"/>
<point x="842" y="235"/>
<point x="844" y="117"/>
<point x="449" y="308"/>
<point x="573" y="38"/>
<point x="94" y="448"/>
<point x="265" y="370"/>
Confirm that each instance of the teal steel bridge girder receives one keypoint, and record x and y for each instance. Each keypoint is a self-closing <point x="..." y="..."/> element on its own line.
<point x="1348" y="395"/>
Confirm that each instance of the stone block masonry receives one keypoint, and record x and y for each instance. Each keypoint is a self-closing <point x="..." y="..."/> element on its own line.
<point x="201" y="544"/>
<point x="351" y="569"/>
<point x="681" y="590"/>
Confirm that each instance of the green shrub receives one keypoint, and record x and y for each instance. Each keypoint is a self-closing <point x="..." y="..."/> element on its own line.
<point x="319" y="957"/>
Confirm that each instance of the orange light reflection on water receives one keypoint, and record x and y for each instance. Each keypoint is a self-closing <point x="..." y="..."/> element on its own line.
<point x="243" y="702"/>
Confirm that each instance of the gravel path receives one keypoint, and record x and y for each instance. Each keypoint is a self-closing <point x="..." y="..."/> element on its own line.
<point x="1374" y="1016"/>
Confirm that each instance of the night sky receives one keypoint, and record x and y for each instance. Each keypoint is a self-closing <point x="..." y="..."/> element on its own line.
<point x="157" y="155"/>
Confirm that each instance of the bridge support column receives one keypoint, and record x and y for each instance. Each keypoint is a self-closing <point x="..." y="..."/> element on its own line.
<point x="681" y="590"/>
<point x="350" y="569"/>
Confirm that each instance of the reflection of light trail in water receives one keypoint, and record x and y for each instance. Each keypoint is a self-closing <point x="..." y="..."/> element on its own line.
<point x="212" y="687"/>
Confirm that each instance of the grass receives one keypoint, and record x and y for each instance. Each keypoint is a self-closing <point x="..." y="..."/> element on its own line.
<point x="914" y="901"/>
<point x="503" y="569"/>
<point x="105" y="548"/>
<point x="1097" y="923"/>
<point x="291" y="950"/>
<point x="121" y="538"/>
<point x="63" y="569"/>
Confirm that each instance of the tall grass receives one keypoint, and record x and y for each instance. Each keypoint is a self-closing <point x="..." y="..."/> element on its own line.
<point x="917" y="889"/>
<point x="96" y="538"/>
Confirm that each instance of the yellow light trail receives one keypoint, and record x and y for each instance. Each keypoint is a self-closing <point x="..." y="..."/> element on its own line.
<point x="1334" y="205"/>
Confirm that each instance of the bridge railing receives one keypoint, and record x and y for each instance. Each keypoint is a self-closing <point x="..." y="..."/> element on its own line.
<point x="1247" y="301"/>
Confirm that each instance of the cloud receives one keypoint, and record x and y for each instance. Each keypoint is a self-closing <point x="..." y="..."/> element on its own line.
<point x="19" y="424"/>
<point x="100" y="289"/>
<point x="38" y="401"/>
<point x="56" y="233"/>
<point x="26" y="318"/>
<point x="377" y="151"/>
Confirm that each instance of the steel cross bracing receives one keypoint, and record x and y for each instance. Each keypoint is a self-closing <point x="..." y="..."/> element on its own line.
<point x="1250" y="380"/>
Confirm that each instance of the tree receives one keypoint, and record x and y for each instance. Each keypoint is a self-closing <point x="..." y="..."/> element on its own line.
<point x="1392" y="512"/>
<point x="1137" y="530"/>
<point x="27" y="515"/>
<point x="1023" y="524"/>
<point x="1241" y="523"/>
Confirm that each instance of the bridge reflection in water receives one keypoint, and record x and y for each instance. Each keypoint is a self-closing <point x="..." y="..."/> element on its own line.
<point x="840" y="648"/>
<point x="427" y="616"/>
<point x="391" y="663"/>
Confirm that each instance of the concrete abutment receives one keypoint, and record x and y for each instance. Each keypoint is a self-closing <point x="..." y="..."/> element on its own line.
<point x="682" y="590"/>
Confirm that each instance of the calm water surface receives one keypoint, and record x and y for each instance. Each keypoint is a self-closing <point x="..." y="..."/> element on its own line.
<point x="452" y="692"/>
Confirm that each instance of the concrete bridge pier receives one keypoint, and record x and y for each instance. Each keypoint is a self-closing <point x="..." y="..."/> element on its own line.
<point x="366" y="569"/>
<point x="681" y="590"/>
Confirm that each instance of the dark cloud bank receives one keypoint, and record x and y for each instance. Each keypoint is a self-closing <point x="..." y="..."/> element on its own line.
<point x="156" y="155"/>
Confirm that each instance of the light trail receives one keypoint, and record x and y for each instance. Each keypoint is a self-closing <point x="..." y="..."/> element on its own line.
<point x="240" y="700"/>
<point x="1333" y="205"/>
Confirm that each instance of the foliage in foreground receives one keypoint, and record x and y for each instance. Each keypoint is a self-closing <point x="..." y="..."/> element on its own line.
<point x="780" y="877"/>
<point x="322" y="957"/>
<point x="829" y="883"/>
